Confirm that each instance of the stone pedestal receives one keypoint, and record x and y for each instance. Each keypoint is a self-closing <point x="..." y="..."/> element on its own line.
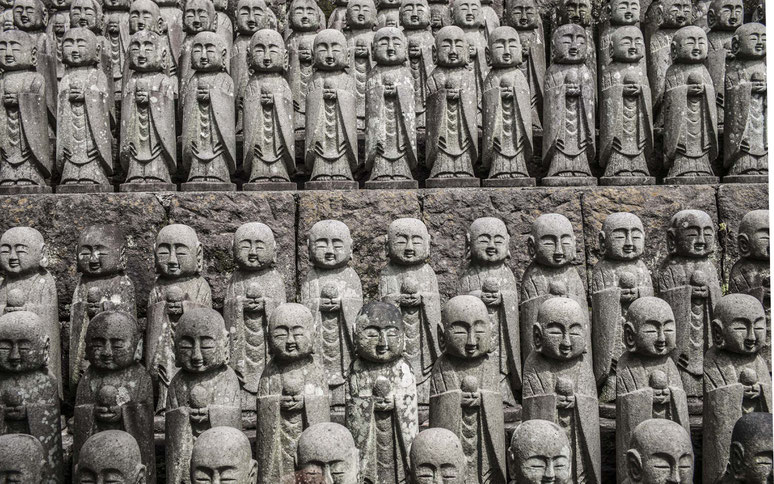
<point x="331" y="185"/>
<point x="147" y="187"/>
<point x="691" y="180"/>
<point x="568" y="181"/>
<point x="746" y="179"/>
<point x="508" y="182"/>
<point x="269" y="186"/>
<point x="207" y="187"/>
<point x="24" y="189"/>
<point x="84" y="188"/>
<point x="391" y="184"/>
<point x="627" y="181"/>
<point x="460" y="182"/>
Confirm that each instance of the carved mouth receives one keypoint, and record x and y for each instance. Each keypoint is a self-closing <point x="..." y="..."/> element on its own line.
<point x="573" y="51"/>
<point x="660" y="346"/>
<point x="749" y="345"/>
<point x="558" y="258"/>
<point x="14" y="263"/>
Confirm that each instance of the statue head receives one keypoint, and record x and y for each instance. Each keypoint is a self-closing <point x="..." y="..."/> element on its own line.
<point x="415" y="14"/>
<point x="622" y="237"/>
<point x="24" y="342"/>
<point x="291" y="332"/>
<point x="361" y="14"/>
<point x="751" y="449"/>
<point x="660" y="452"/>
<point x="467" y="330"/>
<point x="57" y="5"/>
<point x="147" y="52"/>
<point x="725" y="14"/>
<point x="87" y="14"/>
<point x="330" y="50"/>
<point x="627" y="44"/>
<point x="22" y="249"/>
<point x="552" y="241"/>
<point x="504" y="49"/>
<point x="408" y="241"/>
<point x="523" y="14"/>
<point x="80" y="48"/>
<point x="251" y="16"/>
<point x="111" y="340"/>
<point x="326" y="452"/>
<point x="267" y="54"/>
<point x="539" y="453"/>
<point x="30" y="15"/>
<point x="329" y="243"/>
<point x="60" y="22"/>
<point x="487" y="241"/>
<point x="304" y="16"/>
<point x="389" y="47"/>
<point x="691" y="234"/>
<point x="145" y="15"/>
<point x="201" y="341"/>
<point x="451" y="47"/>
<point x="753" y="238"/>
<point x="575" y="12"/>
<point x="178" y="252"/>
<point x="674" y="14"/>
<point x="689" y="45"/>
<point x="467" y="14"/>
<point x="223" y="452"/>
<point x="20" y="458"/>
<point x="739" y="324"/>
<point x="110" y="456"/>
<point x="437" y="456"/>
<point x="254" y="246"/>
<point x="198" y="16"/>
<point x="649" y="329"/>
<point x="209" y="52"/>
<point x="379" y="332"/>
<point x="559" y="332"/>
<point x="749" y="41"/>
<point x="570" y="44"/>
<point x="101" y="250"/>
<point x="624" y="12"/>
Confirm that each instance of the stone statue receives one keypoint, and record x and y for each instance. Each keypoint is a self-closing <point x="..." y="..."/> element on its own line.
<point x="750" y="447"/>
<point x="465" y="390"/>
<point x="436" y="453"/>
<point x="507" y="113"/>
<point x="223" y="25"/>
<point x="388" y="13"/>
<point x="305" y="21"/>
<point x="581" y="12"/>
<point x="331" y="124"/>
<point x="415" y="20"/>
<point x="559" y="383"/>
<point x="468" y="15"/>
<point x="338" y="17"/>
<point x="381" y="411"/>
<point x="292" y="394"/>
<point x="745" y="140"/>
<point x="223" y="452"/>
<point x="89" y="14"/>
<point x="452" y="103"/>
<point x="24" y="273"/>
<point x="204" y="393"/>
<point x="361" y="24"/>
<point x="209" y="138"/>
<point x="540" y="452"/>
<point x="20" y="458"/>
<point x="487" y="276"/>
<point x="491" y="16"/>
<point x="251" y="16"/>
<point x="58" y="24"/>
<point x="626" y="127"/>
<point x="440" y="14"/>
<point x="112" y="454"/>
<point x="658" y="450"/>
<point x="270" y="154"/>
<point x="409" y="282"/>
<point x="688" y="281"/>
<point x="102" y="284"/>
<point x="116" y="391"/>
<point x="84" y="144"/>
<point x="198" y="16"/>
<point x="648" y="383"/>
<point x="332" y="291"/>
<point x="148" y="149"/>
<point x="327" y="448"/>
<point x="524" y="16"/>
<point x="172" y="17"/>
<point x="551" y="245"/>
<point x="736" y="377"/>
<point x="618" y="279"/>
<point x="391" y="133"/>
<point x="758" y="12"/>
<point x="254" y="291"/>
<point x="723" y="18"/>
<point x="146" y="15"/>
<point x="29" y="401"/>
<point x="116" y="32"/>
<point x="620" y="14"/>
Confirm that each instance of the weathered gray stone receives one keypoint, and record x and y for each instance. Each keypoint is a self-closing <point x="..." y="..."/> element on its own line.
<point x="750" y="437"/>
<point x="438" y="452"/>
<point x="652" y="441"/>
<point x="20" y="457"/>
<point x="223" y="451"/>
<point x="539" y="441"/>
<point x="113" y="451"/>
<point x="324" y="444"/>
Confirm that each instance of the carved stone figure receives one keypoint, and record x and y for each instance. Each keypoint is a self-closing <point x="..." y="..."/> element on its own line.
<point x="648" y="383"/>
<point x="29" y="401"/>
<point x="83" y="149"/>
<point x="658" y="448"/>
<point x="388" y="13"/>
<point x="540" y="452"/>
<point x="391" y="134"/>
<point x="465" y="391"/>
<point x="746" y="144"/>
<point x="580" y="12"/>
<point x="324" y="447"/>
<point x="469" y="16"/>
<point x="223" y="452"/>
<point x="251" y="16"/>
<point x="20" y="458"/>
<point x="338" y="17"/>
<point x="223" y="25"/>
<point x="415" y="20"/>
<point x="292" y="394"/>
<point x="723" y="18"/>
<point x="361" y="24"/>
<point x="116" y="25"/>
<point x="491" y="16"/>
<point x="116" y="391"/>
<point x="304" y="23"/>
<point x="559" y="383"/>
<point x="688" y="281"/>
<point x="618" y="279"/>
<point x="487" y="276"/>
<point x="440" y="14"/>
<point x="58" y="24"/>
<point x="452" y="103"/>
<point x="204" y="393"/>
<point x="89" y="14"/>
<point x="198" y="16"/>
<point x="112" y="454"/>
<point x="102" y="284"/>
<point x="146" y="15"/>
<point x="270" y="145"/>
<point x="750" y="446"/>
<point x="331" y="124"/>
<point x="524" y="16"/>
<point x="172" y="15"/>
<point x="148" y="148"/>
<point x="621" y="14"/>
<point x="436" y="453"/>
<point x="409" y="282"/>
<point x="332" y="291"/>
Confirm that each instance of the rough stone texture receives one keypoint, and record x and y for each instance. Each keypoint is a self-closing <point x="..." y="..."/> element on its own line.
<point x="734" y="201"/>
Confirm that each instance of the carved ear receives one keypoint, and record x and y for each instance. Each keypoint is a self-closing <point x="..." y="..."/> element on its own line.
<point x="199" y="258"/>
<point x="44" y="15"/>
<point x="716" y="330"/>
<point x="602" y="238"/>
<point x="98" y="49"/>
<point x="712" y="18"/>
<point x="488" y="56"/>
<point x="34" y="56"/>
<point x="671" y="241"/>
<point x="629" y="336"/>
<point x="161" y="26"/>
<point x="673" y="51"/>
<point x="736" y="458"/>
<point x="141" y="471"/>
<point x="531" y="247"/>
<point x="435" y="54"/>
<point x="537" y="337"/>
<point x="634" y="465"/>
<point x="735" y="45"/>
<point x="44" y="256"/>
<point x="743" y="241"/>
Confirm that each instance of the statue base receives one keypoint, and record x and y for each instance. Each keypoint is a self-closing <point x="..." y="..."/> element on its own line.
<point x="691" y="180"/>
<point x="454" y="182"/>
<point x="746" y="179"/>
<point x="569" y="181"/>
<point x="147" y="187"/>
<point x="24" y="189"/>
<point x="269" y="186"/>
<point x="627" y="181"/>
<point x="207" y="187"/>
<point x="392" y="184"/>
<point x="508" y="182"/>
<point x="84" y="188"/>
<point x="331" y="185"/>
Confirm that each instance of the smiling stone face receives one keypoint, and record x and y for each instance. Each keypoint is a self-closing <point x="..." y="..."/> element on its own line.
<point x="739" y="324"/>
<point x="389" y="47"/>
<point x="178" y="252"/>
<point x="267" y="51"/>
<point x="80" y="48"/>
<point x="627" y="45"/>
<point x="691" y="234"/>
<point x="198" y="16"/>
<point x="467" y="14"/>
<point x="559" y="333"/>
<point x="111" y="340"/>
<point x="408" y="241"/>
<point x="552" y="241"/>
<point x="29" y="15"/>
<point x="330" y="50"/>
<point x="361" y="14"/>
<point x="524" y="14"/>
<point x="330" y="244"/>
<point x="622" y="237"/>
<point x="21" y="248"/>
<point x="690" y="45"/>
<point x="86" y="14"/>
<point x="649" y="329"/>
<point x="505" y="47"/>
<point x="251" y="16"/>
<point x="749" y="41"/>
<point x="725" y="14"/>
<point x="379" y="335"/>
<point x="201" y="341"/>
<point x="624" y="12"/>
<point x="488" y="240"/>
<point x="467" y="330"/>
<point x="101" y="250"/>
<point x="208" y="52"/>
<point x="451" y="48"/>
<point x="23" y="346"/>
<point x="146" y="53"/>
<point x="415" y="14"/>
<point x="291" y="332"/>
<point x="540" y="452"/>
<point x="570" y="44"/>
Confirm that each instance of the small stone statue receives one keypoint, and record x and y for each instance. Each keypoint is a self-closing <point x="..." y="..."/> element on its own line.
<point x="270" y="145"/>
<point x="381" y="411"/>
<point x="388" y="13"/>
<point x="487" y="276"/>
<point x="581" y="12"/>
<point x="465" y="391"/>
<point x="20" y="458"/>
<point x="209" y="139"/>
<point x="58" y="24"/>
<point x="338" y="18"/>
<point x="750" y="448"/>
<point x="305" y="21"/>
<point x="324" y="447"/>
<point x="251" y="16"/>
<point x="331" y="107"/>
<point x="452" y="130"/>
<point x="559" y="383"/>
<point x="440" y="14"/>
<point x="658" y="448"/>
<point x="648" y="384"/>
<point x="148" y="149"/>
<point x="540" y="452"/>
<point x="736" y="378"/>
<point x="415" y="20"/>
<point x="116" y="31"/>
<point x="507" y="113"/>
<point x="172" y="17"/>
<point x="146" y="15"/>
<point x="688" y="281"/>
<point x="102" y="284"/>
<point x="436" y="454"/>
<point x="621" y="14"/>
<point x="409" y="282"/>
<point x="618" y="279"/>
<point x="112" y="454"/>
<point x="223" y="25"/>
<point x="391" y="134"/>
<point x="758" y="11"/>
<point x="746" y="144"/>
<point x="332" y="291"/>
<point x="723" y="18"/>
<point x="84" y="143"/>
<point x="524" y="16"/>
<point x="89" y="14"/>
<point x="223" y="452"/>
<point x="204" y="393"/>
<point x="29" y="401"/>
<point x="468" y="15"/>
<point x="198" y="16"/>
<point x="361" y="24"/>
<point x="254" y="291"/>
<point x="116" y="391"/>
<point x="292" y="394"/>
<point x="551" y="245"/>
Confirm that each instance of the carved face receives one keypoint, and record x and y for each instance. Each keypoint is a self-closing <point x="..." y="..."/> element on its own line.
<point x="505" y="47"/>
<point x="693" y="234"/>
<point x="451" y="47"/>
<point x="628" y="45"/>
<point x="552" y="241"/>
<point x="20" y="458"/>
<point x="739" y="325"/>
<point x="222" y="456"/>
<point x="111" y="341"/>
<point x="623" y="237"/>
<point x="109" y="456"/>
<point x="650" y="327"/>
<point x="28" y="14"/>
<point x="361" y="14"/>
<point x="726" y="14"/>
<point x="21" y="248"/>
<point x="100" y="252"/>
<point x="304" y="16"/>
<point x="560" y="334"/>
<point x="86" y="14"/>
<point x="198" y="15"/>
<point x="415" y="14"/>
<point x="752" y="42"/>
<point x="689" y="46"/>
<point x="251" y="16"/>
<point x="79" y="48"/>
<point x="570" y="44"/>
<point x="145" y="54"/>
<point x="389" y="46"/>
<point x="524" y="14"/>
<point x="677" y="13"/>
<point x="753" y="236"/>
<point x="467" y="14"/>
<point x="200" y="341"/>
<point x="379" y="336"/>
<point x="664" y="458"/>
<point x="330" y="245"/>
<point x="208" y="53"/>
<point x="540" y="453"/>
<point x="23" y="347"/>
<point x="624" y="12"/>
<point x="327" y="453"/>
<point x="577" y="11"/>
<point x="467" y="331"/>
<point x="143" y="15"/>
<point x="437" y="456"/>
<point x="254" y="246"/>
<point x="489" y="241"/>
<point x="177" y="252"/>
<point x="291" y="332"/>
<point x="409" y="242"/>
<point x="751" y="449"/>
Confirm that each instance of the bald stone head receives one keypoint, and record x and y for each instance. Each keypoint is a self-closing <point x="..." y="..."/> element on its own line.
<point x="691" y="234"/>
<point x="749" y="41"/>
<point x="622" y="237"/>
<point x="20" y="458"/>
<point x="201" y="341"/>
<point x="251" y="16"/>
<point x="725" y="15"/>
<point x="504" y="47"/>
<point x="86" y="14"/>
<point x="291" y="332"/>
<point x="24" y="343"/>
<point x="145" y="15"/>
<point x="524" y="14"/>
<point x="625" y="12"/>
<point x="111" y="340"/>
<point x="560" y="332"/>
<point x="305" y="16"/>
<point x="147" y="51"/>
<point x="102" y="250"/>
<point x="649" y="329"/>
<point x="467" y="332"/>
<point x="437" y="456"/>
<point x="30" y="15"/>
<point x="627" y="44"/>
<point x="22" y="251"/>
<point x="267" y="52"/>
<point x="751" y="449"/>
<point x="540" y="452"/>
<point x="675" y="13"/>
<point x="379" y="332"/>
<point x="209" y="52"/>
<point x="361" y="14"/>
<point x="408" y="241"/>
<point x="451" y="47"/>
<point x="198" y="16"/>
<point x="753" y="238"/>
<point x="570" y="44"/>
<point x="415" y="14"/>
<point x="689" y="45"/>
<point x="467" y="14"/>
<point x="178" y="252"/>
<point x="330" y="51"/>
<point x="326" y="452"/>
<point x="330" y="244"/>
<point x="552" y="241"/>
<point x="660" y="452"/>
<point x="18" y="51"/>
<point x="223" y="452"/>
<point x="739" y="324"/>
<point x="110" y="456"/>
<point x="488" y="241"/>
<point x="389" y="47"/>
<point x="254" y="246"/>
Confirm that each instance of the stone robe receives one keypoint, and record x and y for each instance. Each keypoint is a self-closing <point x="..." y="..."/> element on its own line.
<point x="173" y="20"/>
<point x="477" y="39"/>
<point x="359" y="68"/>
<point x="46" y="66"/>
<point x="119" y="46"/>
<point x="58" y="24"/>
<point x="745" y="120"/>
<point x="719" y="48"/>
<point x="659" y="59"/>
<point x="300" y="73"/>
<point x="421" y="66"/>
<point x="534" y="69"/>
<point x="240" y="68"/>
